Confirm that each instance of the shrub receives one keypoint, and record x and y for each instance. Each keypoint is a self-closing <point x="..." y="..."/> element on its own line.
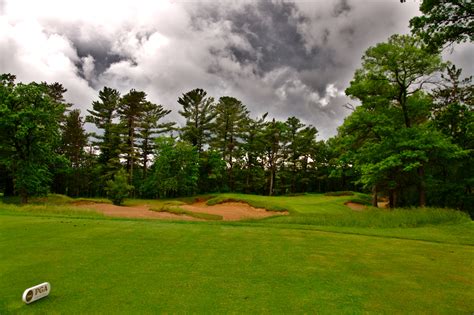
<point x="118" y="189"/>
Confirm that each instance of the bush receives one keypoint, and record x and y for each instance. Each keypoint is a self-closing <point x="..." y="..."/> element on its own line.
<point x="118" y="189"/>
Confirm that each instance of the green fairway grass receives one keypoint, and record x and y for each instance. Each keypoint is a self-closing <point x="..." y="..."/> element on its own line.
<point x="285" y="264"/>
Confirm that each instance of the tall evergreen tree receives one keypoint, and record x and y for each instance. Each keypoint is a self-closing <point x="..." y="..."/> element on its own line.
<point x="108" y="142"/>
<point x="274" y="136"/>
<point x="254" y="150"/>
<point x="130" y="111"/>
<point x="74" y="138"/>
<point x="149" y="127"/>
<point x="229" y="127"/>
<point x="198" y="110"/>
<point x="293" y="150"/>
<point x="307" y="148"/>
<point x="73" y="144"/>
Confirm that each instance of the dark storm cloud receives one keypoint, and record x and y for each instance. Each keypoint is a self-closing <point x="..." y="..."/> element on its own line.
<point x="272" y="30"/>
<point x="101" y="52"/>
<point x="284" y="58"/>
<point x="95" y="45"/>
<point x="342" y="7"/>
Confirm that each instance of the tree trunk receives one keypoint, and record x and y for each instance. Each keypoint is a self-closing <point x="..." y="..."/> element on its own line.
<point x="374" y="196"/>
<point x="231" y="173"/>
<point x="392" y="198"/>
<point x="272" y="175"/>
<point x="24" y="196"/>
<point x="9" y="186"/>
<point x="247" y="178"/>
<point x="422" y="186"/>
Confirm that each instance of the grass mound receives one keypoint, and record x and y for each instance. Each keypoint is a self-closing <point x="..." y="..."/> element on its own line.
<point x="254" y="203"/>
<point x="362" y="199"/>
<point x="378" y="218"/>
<point x="194" y="199"/>
<point x="339" y="193"/>
<point x="180" y="211"/>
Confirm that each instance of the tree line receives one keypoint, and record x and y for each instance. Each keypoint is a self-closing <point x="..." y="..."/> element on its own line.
<point x="220" y="147"/>
<point x="410" y="139"/>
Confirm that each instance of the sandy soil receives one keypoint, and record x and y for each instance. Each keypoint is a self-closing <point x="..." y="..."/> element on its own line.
<point x="355" y="206"/>
<point x="132" y="212"/>
<point x="382" y="204"/>
<point x="232" y="211"/>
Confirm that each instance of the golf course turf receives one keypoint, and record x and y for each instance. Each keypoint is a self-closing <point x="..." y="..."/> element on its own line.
<point x="275" y="265"/>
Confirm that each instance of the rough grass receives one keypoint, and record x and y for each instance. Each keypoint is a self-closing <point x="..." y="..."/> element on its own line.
<point x="180" y="211"/>
<point x="309" y="209"/>
<point x="330" y="211"/>
<point x="53" y="199"/>
<point x="399" y="218"/>
<point x="48" y="210"/>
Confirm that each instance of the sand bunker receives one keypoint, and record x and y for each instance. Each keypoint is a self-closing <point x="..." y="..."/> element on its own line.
<point x="355" y="206"/>
<point x="382" y="204"/>
<point x="132" y="212"/>
<point x="232" y="211"/>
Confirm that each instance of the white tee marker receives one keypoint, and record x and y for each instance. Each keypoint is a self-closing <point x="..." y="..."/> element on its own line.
<point x="37" y="292"/>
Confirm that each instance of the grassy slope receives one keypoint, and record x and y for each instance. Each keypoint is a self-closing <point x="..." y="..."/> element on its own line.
<point x="130" y="266"/>
<point x="319" y="212"/>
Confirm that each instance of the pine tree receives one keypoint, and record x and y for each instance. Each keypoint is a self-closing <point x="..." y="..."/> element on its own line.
<point x="230" y="121"/>
<point x="198" y="110"/>
<point x="73" y="143"/>
<point x="274" y="135"/>
<point x="300" y="139"/>
<point x="254" y="149"/>
<point x="108" y="142"/>
<point x="74" y="138"/>
<point x="130" y="111"/>
<point x="149" y="127"/>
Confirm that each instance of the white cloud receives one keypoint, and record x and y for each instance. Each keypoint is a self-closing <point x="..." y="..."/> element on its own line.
<point x="165" y="48"/>
<point x="32" y="54"/>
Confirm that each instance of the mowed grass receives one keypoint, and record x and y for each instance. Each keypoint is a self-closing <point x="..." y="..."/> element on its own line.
<point x="102" y="265"/>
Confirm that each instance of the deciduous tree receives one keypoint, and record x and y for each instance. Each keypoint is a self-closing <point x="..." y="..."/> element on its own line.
<point x="444" y="22"/>
<point x="391" y="83"/>
<point x="29" y="134"/>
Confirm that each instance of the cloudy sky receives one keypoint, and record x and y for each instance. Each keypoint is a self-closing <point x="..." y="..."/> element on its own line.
<point x="285" y="58"/>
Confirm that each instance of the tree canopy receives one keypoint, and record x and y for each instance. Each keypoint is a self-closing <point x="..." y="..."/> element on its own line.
<point x="444" y="22"/>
